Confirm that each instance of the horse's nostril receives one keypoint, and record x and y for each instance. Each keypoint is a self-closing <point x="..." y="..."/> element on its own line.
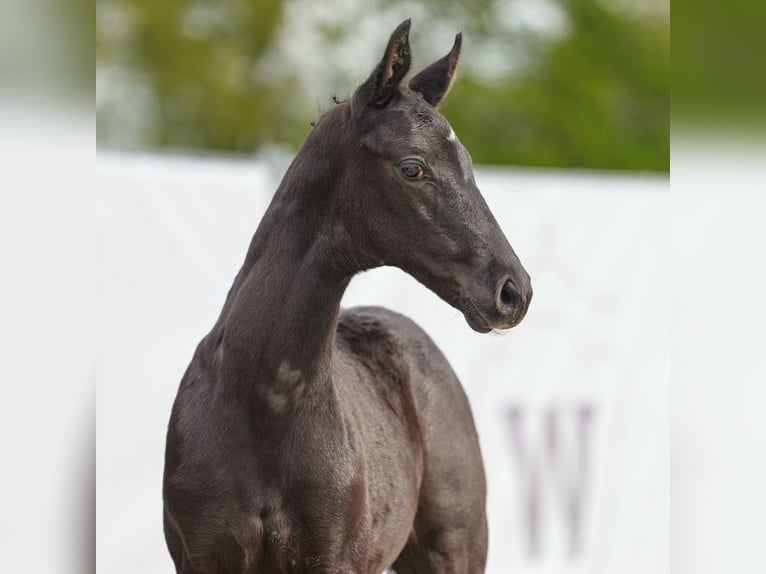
<point x="509" y="296"/>
<point x="505" y="294"/>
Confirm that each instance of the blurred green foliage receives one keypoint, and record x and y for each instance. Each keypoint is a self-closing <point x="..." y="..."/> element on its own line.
<point x="597" y="98"/>
<point x="718" y="71"/>
<point x="594" y="96"/>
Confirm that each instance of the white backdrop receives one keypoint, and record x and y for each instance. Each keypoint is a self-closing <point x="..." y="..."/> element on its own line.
<point x="173" y="233"/>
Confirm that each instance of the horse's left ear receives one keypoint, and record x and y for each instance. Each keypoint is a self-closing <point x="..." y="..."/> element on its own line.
<point x="383" y="84"/>
<point x="435" y="81"/>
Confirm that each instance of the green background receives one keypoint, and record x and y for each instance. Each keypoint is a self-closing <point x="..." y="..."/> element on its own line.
<point x="545" y="83"/>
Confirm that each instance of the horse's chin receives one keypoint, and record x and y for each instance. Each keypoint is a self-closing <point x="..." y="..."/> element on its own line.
<point x="476" y="320"/>
<point x="480" y="329"/>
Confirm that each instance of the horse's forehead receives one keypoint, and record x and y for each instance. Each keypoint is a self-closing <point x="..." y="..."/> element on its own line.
<point x="413" y="124"/>
<point x="436" y="122"/>
<point x="426" y="123"/>
<point x="439" y="130"/>
<point x="443" y="129"/>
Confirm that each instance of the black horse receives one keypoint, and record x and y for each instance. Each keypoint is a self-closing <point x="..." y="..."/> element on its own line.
<point x="309" y="439"/>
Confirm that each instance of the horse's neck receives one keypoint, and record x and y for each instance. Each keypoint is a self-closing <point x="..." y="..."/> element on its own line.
<point x="282" y="313"/>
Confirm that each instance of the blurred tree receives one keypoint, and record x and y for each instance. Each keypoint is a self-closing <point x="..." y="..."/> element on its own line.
<point x="214" y="75"/>
<point x="203" y="63"/>
<point x="596" y="97"/>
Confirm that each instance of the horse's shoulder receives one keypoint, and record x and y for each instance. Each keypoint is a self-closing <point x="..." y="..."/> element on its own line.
<point x="379" y="331"/>
<point x="369" y="333"/>
<point x="378" y="324"/>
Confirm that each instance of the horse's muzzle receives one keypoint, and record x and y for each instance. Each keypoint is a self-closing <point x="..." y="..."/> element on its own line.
<point x="506" y="309"/>
<point x="512" y="298"/>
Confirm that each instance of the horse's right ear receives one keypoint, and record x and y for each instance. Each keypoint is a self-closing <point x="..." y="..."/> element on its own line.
<point x="435" y="81"/>
<point x="382" y="85"/>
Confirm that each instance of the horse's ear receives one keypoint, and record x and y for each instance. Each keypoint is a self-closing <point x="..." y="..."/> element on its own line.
<point x="435" y="81"/>
<point x="379" y="88"/>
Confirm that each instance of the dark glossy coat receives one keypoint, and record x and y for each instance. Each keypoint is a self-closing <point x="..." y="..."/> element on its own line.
<point x="309" y="439"/>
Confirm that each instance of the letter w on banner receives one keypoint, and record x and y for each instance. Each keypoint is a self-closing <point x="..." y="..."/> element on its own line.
<point x="552" y="450"/>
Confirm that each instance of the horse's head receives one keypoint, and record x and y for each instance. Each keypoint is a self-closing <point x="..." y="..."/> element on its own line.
<point x="412" y="200"/>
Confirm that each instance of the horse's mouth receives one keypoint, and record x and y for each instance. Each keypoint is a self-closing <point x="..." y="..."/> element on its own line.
<point x="483" y="322"/>
<point x="475" y="318"/>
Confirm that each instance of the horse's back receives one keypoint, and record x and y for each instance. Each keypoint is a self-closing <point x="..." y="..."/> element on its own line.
<point x="451" y="500"/>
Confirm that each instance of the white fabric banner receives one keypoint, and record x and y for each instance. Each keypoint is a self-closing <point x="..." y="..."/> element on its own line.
<point x="571" y="406"/>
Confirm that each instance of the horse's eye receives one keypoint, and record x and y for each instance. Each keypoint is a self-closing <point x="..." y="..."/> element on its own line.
<point x="412" y="170"/>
